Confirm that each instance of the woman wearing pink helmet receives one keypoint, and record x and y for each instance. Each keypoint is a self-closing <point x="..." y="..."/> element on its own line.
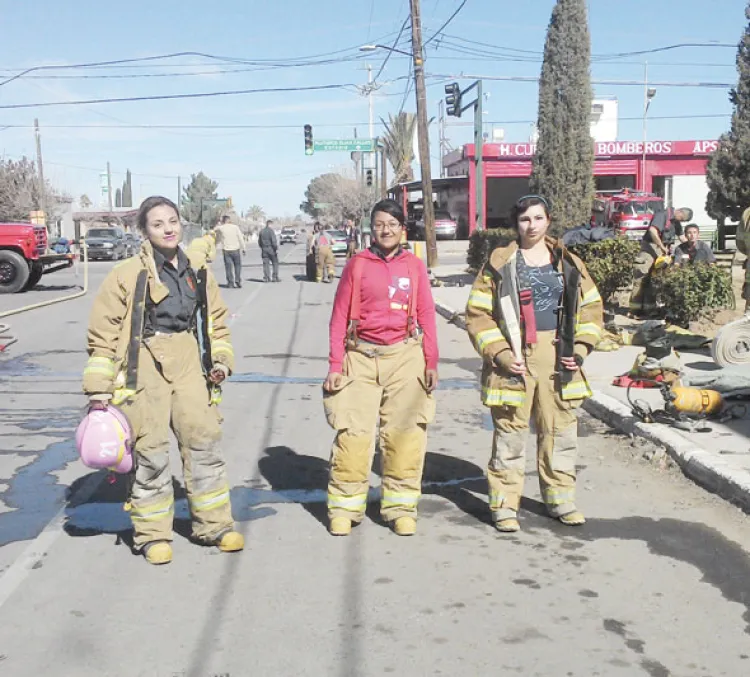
<point x="159" y="349"/>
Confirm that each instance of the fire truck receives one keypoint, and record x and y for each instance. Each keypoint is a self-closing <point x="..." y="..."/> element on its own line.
<point x="627" y="212"/>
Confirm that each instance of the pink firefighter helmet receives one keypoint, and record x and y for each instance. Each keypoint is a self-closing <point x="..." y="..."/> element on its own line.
<point x="104" y="439"/>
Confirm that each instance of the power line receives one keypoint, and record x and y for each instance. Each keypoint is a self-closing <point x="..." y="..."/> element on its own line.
<point x="390" y="51"/>
<point x="615" y="83"/>
<point x="167" y="97"/>
<point x="183" y="126"/>
<point x="444" y="26"/>
<point x="173" y="55"/>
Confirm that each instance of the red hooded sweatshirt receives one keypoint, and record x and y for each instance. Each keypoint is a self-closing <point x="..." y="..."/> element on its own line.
<point x="385" y="291"/>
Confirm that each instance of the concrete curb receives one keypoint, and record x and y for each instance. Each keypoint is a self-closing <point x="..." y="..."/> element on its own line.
<point x="700" y="465"/>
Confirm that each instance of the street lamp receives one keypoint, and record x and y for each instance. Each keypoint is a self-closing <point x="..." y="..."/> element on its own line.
<point x="648" y="94"/>
<point x="372" y="48"/>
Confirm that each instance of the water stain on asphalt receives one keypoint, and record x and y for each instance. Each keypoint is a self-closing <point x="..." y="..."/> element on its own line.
<point x="34" y="494"/>
<point x="588" y="593"/>
<point x="724" y="565"/>
<point x="528" y="582"/>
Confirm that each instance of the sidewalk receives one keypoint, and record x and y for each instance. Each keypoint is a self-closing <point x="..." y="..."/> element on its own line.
<point x="718" y="460"/>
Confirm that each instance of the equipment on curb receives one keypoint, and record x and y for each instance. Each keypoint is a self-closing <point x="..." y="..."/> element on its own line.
<point x="684" y="407"/>
<point x="104" y="439"/>
<point x="732" y="344"/>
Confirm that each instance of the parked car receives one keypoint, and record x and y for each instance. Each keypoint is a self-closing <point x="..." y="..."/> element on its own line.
<point x="446" y="227"/>
<point x="288" y="235"/>
<point x="132" y="244"/>
<point x="106" y="244"/>
<point x="338" y="239"/>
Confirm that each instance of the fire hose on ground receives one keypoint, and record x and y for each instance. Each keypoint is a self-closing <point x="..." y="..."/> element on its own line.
<point x="731" y="346"/>
<point x="6" y="339"/>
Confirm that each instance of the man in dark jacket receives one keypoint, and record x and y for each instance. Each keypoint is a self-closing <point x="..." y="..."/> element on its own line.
<point x="268" y="251"/>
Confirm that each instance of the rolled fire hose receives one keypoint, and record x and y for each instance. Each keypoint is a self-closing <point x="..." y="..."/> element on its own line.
<point x="732" y="344"/>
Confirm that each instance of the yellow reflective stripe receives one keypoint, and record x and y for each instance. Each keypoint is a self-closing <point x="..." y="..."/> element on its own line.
<point x="392" y="499"/>
<point x="222" y="347"/>
<point x="210" y="326"/>
<point x="559" y="495"/>
<point x="589" y="329"/>
<point x="480" y="299"/>
<point x="354" y="503"/>
<point x="498" y="397"/>
<point x="100" y="365"/>
<point x="591" y="296"/>
<point x="210" y="500"/>
<point x="153" y="512"/>
<point x="488" y="337"/>
<point x="496" y="500"/>
<point x="122" y="394"/>
<point x="577" y="390"/>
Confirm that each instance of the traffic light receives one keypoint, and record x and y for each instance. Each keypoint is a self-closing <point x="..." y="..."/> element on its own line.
<point x="309" y="148"/>
<point x="453" y="99"/>
<point x="368" y="177"/>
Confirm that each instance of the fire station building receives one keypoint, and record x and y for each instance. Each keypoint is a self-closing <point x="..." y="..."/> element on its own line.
<point x="674" y="170"/>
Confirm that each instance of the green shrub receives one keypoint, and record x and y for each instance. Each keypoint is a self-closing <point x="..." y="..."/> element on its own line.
<point x="483" y="242"/>
<point x="610" y="264"/>
<point x="692" y="293"/>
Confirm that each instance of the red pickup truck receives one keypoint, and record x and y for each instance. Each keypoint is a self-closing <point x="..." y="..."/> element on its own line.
<point x="24" y="257"/>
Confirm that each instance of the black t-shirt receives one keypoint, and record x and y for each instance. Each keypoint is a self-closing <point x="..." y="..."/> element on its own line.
<point x="175" y="312"/>
<point x="669" y="228"/>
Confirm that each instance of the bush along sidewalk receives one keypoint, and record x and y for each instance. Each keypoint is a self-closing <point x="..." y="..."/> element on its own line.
<point x="692" y="293"/>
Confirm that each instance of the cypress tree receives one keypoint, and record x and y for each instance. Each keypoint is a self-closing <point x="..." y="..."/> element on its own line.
<point x="118" y="198"/>
<point x="564" y="163"/>
<point x="127" y="190"/>
<point x="728" y="174"/>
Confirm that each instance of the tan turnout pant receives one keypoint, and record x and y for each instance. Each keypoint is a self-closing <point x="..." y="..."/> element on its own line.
<point x="326" y="262"/>
<point x="557" y="439"/>
<point x="172" y="393"/>
<point x="642" y="296"/>
<point x="386" y="384"/>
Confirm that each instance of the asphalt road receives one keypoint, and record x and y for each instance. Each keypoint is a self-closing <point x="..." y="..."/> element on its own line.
<point x="657" y="583"/>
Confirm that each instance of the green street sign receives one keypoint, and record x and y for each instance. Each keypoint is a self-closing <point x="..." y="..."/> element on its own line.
<point x="346" y="145"/>
<point x="320" y="205"/>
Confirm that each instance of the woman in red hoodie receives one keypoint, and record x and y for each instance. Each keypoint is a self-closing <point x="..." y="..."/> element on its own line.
<point x="383" y="369"/>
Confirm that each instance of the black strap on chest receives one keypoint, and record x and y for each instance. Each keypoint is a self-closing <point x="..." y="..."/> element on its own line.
<point x="566" y="323"/>
<point x="136" y="330"/>
<point x="201" y="319"/>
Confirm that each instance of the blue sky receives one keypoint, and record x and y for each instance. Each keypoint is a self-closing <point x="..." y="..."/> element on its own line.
<point x="266" y="165"/>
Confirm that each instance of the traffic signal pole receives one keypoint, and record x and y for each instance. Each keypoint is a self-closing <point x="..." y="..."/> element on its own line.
<point x="479" y="158"/>
<point x="454" y="99"/>
<point x="423" y="135"/>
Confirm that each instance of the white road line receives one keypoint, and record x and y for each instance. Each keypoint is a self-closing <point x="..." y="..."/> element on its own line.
<point x="39" y="547"/>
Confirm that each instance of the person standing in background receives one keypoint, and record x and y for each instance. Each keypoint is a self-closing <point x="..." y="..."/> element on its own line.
<point x="230" y="237"/>
<point x="269" y="247"/>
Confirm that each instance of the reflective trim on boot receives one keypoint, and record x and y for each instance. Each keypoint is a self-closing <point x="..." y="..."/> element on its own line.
<point x="356" y="503"/>
<point x="400" y="499"/>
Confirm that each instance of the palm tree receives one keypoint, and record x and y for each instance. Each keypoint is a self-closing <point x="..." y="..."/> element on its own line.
<point x="399" y="145"/>
<point x="255" y="213"/>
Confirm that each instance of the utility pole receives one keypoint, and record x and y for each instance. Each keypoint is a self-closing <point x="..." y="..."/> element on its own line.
<point x="42" y="185"/>
<point x="109" y="189"/>
<point x="383" y="173"/>
<point x="179" y="192"/>
<point x="423" y="134"/>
